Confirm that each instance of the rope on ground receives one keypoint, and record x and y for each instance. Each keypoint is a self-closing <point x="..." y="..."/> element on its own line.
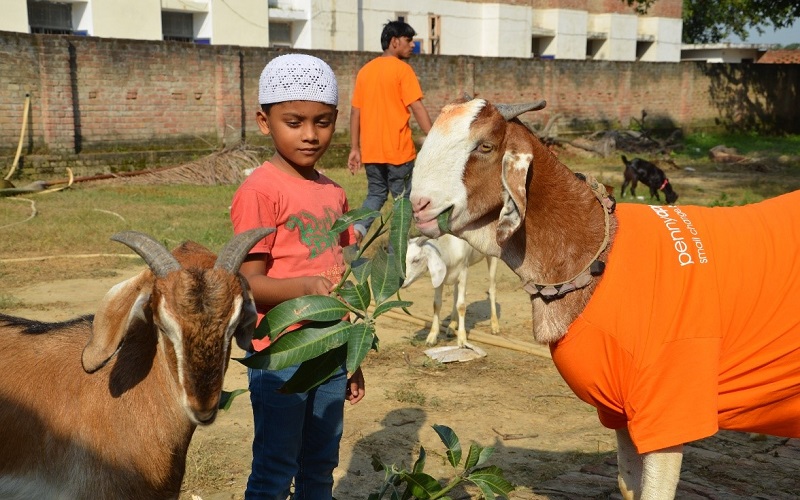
<point x="109" y="212"/>
<point x="31" y="216"/>
<point x="37" y="187"/>
<point x="25" y="109"/>
<point x="477" y="336"/>
<point x="78" y="256"/>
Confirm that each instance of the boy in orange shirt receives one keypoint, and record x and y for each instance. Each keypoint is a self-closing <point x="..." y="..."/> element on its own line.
<point x="386" y="88"/>
<point x="296" y="435"/>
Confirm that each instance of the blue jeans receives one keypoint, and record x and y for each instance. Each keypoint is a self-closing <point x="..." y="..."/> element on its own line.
<point x="296" y="436"/>
<point x="381" y="179"/>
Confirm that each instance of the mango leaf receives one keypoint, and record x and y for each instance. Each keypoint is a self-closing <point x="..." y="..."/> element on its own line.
<point x="316" y="371"/>
<point x="477" y="456"/>
<point x="309" y="307"/>
<point x="419" y="465"/>
<point x="385" y="280"/>
<point x="350" y="217"/>
<point x="398" y="231"/>
<point x="361" y="269"/>
<point x="452" y="443"/>
<point x="356" y="294"/>
<point x="390" y="304"/>
<point x="226" y="398"/>
<point x="422" y="485"/>
<point x="359" y="342"/>
<point x="377" y="464"/>
<point x="491" y="482"/>
<point x="307" y="342"/>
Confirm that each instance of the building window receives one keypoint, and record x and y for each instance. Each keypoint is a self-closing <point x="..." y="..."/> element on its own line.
<point x="50" y="18"/>
<point x="280" y="34"/>
<point x="434" y="33"/>
<point x="177" y="26"/>
<point x="642" y="48"/>
<point x="593" y="48"/>
<point x="540" y="45"/>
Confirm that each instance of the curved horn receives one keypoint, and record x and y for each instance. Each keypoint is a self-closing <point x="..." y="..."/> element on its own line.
<point x="510" y="111"/>
<point x="156" y="255"/>
<point x="233" y="253"/>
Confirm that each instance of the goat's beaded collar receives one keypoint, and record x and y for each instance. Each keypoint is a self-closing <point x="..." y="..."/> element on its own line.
<point x="594" y="267"/>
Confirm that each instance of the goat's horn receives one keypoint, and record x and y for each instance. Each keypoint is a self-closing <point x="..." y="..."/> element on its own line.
<point x="156" y="255"/>
<point x="233" y="253"/>
<point x="510" y="111"/>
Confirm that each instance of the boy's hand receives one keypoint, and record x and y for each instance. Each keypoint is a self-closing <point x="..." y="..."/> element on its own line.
<point x="354" y="161"/>
<point x="316" y="285"/>
<point x="355" y="387"/>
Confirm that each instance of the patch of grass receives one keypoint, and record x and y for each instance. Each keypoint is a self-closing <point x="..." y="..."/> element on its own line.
<point x="409" y="394"/>
<point x="79" y="221"/>
<point x="8" y="302"/>
<point x="697" y="145"/>
<point x="204" y="472"/>
<point x="724" y="200"/>
<point x="58" y="305"/>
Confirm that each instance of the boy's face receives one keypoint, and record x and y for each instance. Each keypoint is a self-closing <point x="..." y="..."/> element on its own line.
<point x="301" y="130"/>
<point x="403" y="47"/>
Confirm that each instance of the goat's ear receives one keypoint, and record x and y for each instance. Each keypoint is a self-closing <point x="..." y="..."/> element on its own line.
<point x="247" y="323"/>
<point x="436" y="266"/>
<point x="516" y="165"/>
<point x="123" y="307"/>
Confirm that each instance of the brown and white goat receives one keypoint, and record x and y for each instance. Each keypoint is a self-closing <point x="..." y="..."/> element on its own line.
<point x="105" y="407"/>
<point x="715" y="340"/>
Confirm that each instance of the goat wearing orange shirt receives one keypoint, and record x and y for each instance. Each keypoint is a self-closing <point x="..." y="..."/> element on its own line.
<point x="714" y="339"/>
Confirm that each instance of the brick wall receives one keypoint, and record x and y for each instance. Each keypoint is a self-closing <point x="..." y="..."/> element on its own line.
<point x="92" y="96"/>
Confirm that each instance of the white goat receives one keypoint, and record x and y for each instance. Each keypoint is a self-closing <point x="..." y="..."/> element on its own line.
<point x="448" y="259"/>
<point x="105" y="407"/>
<point x="714" y="341"/>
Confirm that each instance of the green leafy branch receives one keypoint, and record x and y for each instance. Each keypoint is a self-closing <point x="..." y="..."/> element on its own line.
<point x="416" y="484"/>
<point x="327" y="339"/>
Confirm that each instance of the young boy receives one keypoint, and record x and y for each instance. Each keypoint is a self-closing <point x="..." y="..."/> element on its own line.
<point x="296" y="435"/>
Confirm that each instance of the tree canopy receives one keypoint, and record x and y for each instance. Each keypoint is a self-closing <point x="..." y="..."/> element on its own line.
<point x="712" y="21"/>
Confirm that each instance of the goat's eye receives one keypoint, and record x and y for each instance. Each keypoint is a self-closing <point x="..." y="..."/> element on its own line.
<point x="485" y="147"/>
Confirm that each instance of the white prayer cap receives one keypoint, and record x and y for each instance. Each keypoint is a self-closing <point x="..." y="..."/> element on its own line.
<point x="297" y="77"/>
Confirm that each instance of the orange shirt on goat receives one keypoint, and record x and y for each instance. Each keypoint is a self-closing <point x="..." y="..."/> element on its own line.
<point x="302" y="211"/>
<point x="695" y="326"/>
<point x="385" y="132"/>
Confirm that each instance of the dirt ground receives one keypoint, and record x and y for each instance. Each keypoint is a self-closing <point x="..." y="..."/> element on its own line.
<point x="547" y="442"/>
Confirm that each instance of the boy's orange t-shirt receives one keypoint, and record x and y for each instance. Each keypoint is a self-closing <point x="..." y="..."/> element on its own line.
<point x="695" y="324"/>
<point x="384" y="89"/>
<point x="302" y="211"/>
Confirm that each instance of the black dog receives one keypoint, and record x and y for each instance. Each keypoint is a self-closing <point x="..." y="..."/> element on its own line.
<point x="639" y="170"/>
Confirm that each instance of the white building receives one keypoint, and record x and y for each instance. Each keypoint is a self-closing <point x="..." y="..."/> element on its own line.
<point x="725" y="52"/>
<point x="499" y="28"/>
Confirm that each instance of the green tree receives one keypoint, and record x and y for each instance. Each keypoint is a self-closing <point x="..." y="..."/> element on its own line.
<point x="326" y="341"/>
<point x="709" y="22"/>
<point x="401" y="484"/>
